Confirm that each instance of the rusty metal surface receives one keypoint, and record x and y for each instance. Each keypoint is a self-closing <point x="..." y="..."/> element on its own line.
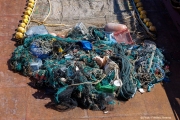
<point x="19" y="101"/>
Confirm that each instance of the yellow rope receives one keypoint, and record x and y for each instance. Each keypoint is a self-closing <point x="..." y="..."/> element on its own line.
<point x="51" y="25"/>
<point x="49" y="11"/>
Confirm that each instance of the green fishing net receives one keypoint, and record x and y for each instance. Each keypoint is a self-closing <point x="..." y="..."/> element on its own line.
<point x="69" y="70"/>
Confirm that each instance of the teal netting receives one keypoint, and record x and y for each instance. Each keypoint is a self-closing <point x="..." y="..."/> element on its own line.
<point x="67" y="67"/>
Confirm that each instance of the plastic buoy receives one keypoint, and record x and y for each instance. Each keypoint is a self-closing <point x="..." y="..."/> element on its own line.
<point x="26" y="17"/>
<point x="25" y="21"/>
<point x="148" y="24"/>
<point x="142" y="16"/>
<point x="30" y="5"/>
<point x="136" y="1"/>
<point x="143" y="12"/>
<point x="139" y="4"/>
<point x="29" y="8"/>
<point x="146" y="20"/>
<point x="19" y="35"/>
<point x="31" y="1"/>
<point x="140" y="9"/>
<point x="22" y="25"/>
<point x="21" y="29"/>
<point x="27" y="12"/>
<point x="152" y="28"/>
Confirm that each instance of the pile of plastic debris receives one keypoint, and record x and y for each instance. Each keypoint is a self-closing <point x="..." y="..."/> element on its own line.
<point x="89" y="67"/>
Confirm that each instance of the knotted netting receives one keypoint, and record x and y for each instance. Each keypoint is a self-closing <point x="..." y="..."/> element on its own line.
<point x="67" y="66"/>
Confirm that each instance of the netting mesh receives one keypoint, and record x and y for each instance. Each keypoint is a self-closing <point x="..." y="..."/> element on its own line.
<point x="75" y="77"/>
<point x="81" y="72"/>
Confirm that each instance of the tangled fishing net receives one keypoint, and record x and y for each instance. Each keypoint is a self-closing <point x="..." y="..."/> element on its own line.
<point x="68" y="67"/>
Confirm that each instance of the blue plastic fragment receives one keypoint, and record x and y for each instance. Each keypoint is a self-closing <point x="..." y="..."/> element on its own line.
<point x="111" y="40"/>
<point x="38" y="52"/>
<point x="134" y="47"/>
<point x="86" y="45"/>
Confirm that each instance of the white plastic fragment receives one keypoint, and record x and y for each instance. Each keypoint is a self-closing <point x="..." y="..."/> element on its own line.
<point x="63" y="79"/>
<point x="141" y="90"/>
<point x="77" y="69"/>
<point x="68" y="56"/>
<point x="117" y="83"/>
<point x="105" y="112"/>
